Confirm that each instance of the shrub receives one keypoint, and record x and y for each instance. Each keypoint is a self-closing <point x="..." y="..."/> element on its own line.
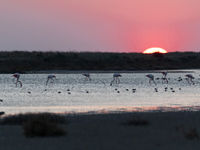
<point x="137" y="122"/>
<point x="191" y="134"/>
<point x="42" y="127"/>
<point x="21" y="118"/>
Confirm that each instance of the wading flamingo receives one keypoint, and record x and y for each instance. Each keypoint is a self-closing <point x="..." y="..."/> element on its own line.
<point x="151" y="78"/>
<point x="87" y="76"/>
<point x="164" y="77"/>
<point x="17" y="76"/>
<point x="50" y="78"/>
<point x="115" y="78"/>
<point x="190" y="78"/>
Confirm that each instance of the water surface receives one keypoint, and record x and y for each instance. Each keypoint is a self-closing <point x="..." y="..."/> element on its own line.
<point x="97" y="95"/>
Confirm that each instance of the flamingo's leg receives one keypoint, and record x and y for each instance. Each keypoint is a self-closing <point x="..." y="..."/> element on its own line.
<point x="154" y="82"/>
<point x="118" y="81"/>
<point x="17" y="81"/>
<point x="166" y="80"/>
<point x="111" y="83"/>
<point x="47" y="81"/>
<point x="188" y="80"/>
<point x="192" y="81"/>
<point x="20" y="83"/>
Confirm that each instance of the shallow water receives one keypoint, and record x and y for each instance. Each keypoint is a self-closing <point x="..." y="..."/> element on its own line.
<point x="34" y="96"/>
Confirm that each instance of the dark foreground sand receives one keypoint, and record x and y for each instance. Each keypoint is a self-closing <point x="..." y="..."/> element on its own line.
<point x="165" y="131"/>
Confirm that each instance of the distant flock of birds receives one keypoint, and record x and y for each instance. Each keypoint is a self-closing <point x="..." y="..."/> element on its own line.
<point x="50" y="78"/>
<point x="116" y="80"/>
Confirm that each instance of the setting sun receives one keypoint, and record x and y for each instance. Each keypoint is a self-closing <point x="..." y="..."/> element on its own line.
<point x="154" y="50"/>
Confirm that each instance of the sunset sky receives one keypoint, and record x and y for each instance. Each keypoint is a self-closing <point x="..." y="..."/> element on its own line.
<point x="100" y="25"/>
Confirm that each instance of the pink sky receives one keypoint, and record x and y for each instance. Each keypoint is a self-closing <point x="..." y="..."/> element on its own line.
<point x="100" y="25"/>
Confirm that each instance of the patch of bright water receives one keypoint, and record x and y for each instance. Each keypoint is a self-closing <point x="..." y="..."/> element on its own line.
<point x="96" y="95"/>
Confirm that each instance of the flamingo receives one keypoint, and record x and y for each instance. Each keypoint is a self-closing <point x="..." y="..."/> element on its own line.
<point x="164" y="77"/>
<point x="50" y="77"/>
<point x="115" y="78"/>
<point x="87" y="76"/>
<point x="151" y="78"/>
<point x="17" y="76"/>
<point x="190" y="78"/>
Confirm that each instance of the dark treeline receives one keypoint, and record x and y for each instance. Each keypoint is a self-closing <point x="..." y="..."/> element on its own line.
<point x="35" y="61"/>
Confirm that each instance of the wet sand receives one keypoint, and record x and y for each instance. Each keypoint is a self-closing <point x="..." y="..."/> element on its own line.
<point x="163" y="131"/>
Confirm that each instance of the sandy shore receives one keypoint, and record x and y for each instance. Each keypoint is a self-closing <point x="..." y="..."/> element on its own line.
<point x="163" y="131"/>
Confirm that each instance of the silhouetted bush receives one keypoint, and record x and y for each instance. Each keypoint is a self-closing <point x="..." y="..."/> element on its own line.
<point x="41" y="124"/>
<point x="22" y="118"/>
<point x="191" y="134"/>
<point x="135" y="121"/>
<point x="42" y="128"/>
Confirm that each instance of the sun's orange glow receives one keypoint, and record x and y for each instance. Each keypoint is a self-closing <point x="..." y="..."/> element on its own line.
<point x="154" y="50"/>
